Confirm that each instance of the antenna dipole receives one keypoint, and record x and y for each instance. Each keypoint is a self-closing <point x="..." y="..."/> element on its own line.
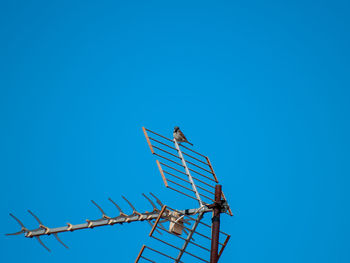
<point x="105" y="220"/>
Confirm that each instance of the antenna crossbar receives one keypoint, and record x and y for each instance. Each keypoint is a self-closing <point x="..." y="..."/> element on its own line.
<point x="188" y="173"/>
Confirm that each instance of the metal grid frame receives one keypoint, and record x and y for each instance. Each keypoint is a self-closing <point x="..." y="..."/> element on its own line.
<point x="192" y="218"/>
<point x="193" y="176"/>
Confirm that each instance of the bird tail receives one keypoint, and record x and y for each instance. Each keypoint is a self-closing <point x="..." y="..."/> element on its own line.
<point x="189" y="143"/>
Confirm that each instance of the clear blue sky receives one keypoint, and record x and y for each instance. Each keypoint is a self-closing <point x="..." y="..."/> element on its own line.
<point x="261" y="87"/>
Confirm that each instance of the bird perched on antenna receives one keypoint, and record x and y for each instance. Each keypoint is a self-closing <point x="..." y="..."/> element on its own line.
<point x="179" y="136"/>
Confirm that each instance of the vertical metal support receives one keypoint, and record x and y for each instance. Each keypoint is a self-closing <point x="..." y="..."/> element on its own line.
<point x="215" y="229"/>
<point x="189" y="237"/>
<point x="188" y="173"/>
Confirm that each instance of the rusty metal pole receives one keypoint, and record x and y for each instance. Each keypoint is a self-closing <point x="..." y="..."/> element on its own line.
<point x="215" y="229"/>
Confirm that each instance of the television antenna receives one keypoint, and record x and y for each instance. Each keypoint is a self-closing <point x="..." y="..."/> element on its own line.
<point x="188" y="236"/>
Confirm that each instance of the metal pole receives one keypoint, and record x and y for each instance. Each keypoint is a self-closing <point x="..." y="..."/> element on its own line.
<point x="215" y="230"/>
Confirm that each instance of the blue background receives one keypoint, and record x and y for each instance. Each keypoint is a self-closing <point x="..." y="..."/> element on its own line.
<point x="261" y="87"/>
